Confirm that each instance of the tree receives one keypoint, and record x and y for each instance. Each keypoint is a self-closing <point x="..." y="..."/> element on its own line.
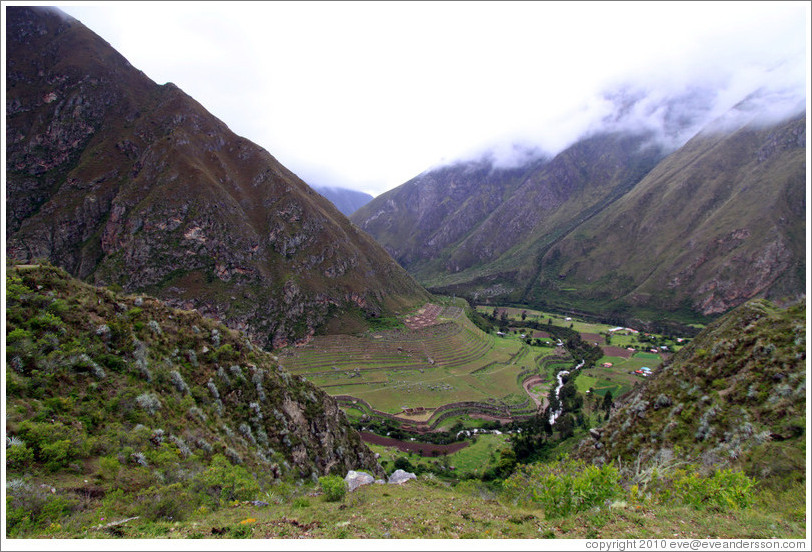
<point x="606" y="406"/>
<point x="564" y="425"/>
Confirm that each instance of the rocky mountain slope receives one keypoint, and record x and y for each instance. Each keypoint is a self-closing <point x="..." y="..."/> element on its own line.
<point x="612" y="224"/>
<point x="347" y="201"/>
<point x="735" y="396"/>
<point x="127" y="183"/>
<point x="120" y="375"/>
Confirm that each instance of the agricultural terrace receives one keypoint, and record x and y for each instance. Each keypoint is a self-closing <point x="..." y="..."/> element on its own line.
<point x="436" y="359"/>
<point x="626" y="351"/>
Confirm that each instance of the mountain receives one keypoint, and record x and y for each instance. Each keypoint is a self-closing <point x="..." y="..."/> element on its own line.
<point x="718" y="222"/>
<point x="736" y="396"/>
<point x="347" y="201"/>
<point x="616" y="224"/>
<point x="134" y="185"/>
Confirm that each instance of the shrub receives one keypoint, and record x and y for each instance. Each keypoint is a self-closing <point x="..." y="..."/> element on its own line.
<point x="178" y="382"/>
<point x="29" y="507"/>
<point x="19" y="457"/>
<point x="224" y="482"/>
<point x="565" y="487"/>
<point x="334" y="487"/>
<point x="109" y="467"/>
<point x="725" y="490"/>
<point x="57" y="454"/>
<point x="148" y="402"/>
<point x="170" y="503"/>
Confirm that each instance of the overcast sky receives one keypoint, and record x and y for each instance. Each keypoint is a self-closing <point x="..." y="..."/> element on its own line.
<point x="367" y="95"/>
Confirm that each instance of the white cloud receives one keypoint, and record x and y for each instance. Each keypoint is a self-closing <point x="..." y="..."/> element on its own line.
<point x="367" y="95"/>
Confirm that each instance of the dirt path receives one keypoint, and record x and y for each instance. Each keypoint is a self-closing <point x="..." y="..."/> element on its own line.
<point x="530" y="382"/>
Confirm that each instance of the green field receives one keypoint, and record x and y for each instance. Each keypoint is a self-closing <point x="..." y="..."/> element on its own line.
<point x="436" y="357"/>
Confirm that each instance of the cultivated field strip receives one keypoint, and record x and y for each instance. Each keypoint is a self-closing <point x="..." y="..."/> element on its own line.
<point x="442" y="359"/>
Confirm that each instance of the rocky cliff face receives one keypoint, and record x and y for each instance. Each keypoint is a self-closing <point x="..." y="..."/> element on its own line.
<point x="124" y="182"/>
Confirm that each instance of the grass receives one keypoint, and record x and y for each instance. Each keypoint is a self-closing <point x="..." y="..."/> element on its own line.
<point x="428" y="508"/>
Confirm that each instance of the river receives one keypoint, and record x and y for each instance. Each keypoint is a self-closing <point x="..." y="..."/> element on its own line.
<point x="560" y="378"/>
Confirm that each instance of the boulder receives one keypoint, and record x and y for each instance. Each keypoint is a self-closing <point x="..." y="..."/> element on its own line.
<point x="356" y="479"/>
<point x="399" y="477"/>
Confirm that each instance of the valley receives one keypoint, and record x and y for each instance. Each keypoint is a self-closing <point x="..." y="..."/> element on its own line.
<point x="609" y="341"/>
<point x="428" y="369"/>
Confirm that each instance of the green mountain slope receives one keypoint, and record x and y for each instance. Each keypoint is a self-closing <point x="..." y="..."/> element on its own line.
<point x="109" y="392"/>
<point x="124" y="182"/>
<point x="420" y="220"/>
<point x="718" y="222"/>
<point x="736" y="396"/>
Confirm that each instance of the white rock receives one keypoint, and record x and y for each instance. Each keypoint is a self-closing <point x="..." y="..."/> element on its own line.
<point x="356" y="479"/>
<point x="399" y="477"/>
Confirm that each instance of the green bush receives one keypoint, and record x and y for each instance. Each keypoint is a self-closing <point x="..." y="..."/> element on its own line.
<point x="109" y="467"/>
<point x="565" y="487"/>
<point x="169" y="503"/>
<point x="725" y="490"/>
<point x="334" y="487"/>
<point x="19" y="457"/>
<point x="225" y="482"/>
<point x="57" y="454"/>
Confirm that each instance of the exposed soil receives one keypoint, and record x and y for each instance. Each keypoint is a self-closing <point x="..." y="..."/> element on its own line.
<point x="423" y="449"/>
<point x="617" y="352"/>
<point x="593" y="338"/>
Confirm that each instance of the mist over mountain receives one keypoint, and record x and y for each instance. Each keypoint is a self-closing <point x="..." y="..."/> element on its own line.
<point x="129" y="184"/>
<point x="651" y="209"/>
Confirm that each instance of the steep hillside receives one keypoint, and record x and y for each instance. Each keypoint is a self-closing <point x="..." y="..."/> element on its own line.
<point x="423" y="218"/>
<point x="347" y="201"/>
<point x="718" y="222"/>
<point x="735" y="396"/>
<point x="108" y="371"/>
<point x="471" y="229"/>
<point x="127" y="183"/>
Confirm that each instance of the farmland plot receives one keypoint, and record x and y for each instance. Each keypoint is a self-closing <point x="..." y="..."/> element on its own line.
<point x="436" y="358"/>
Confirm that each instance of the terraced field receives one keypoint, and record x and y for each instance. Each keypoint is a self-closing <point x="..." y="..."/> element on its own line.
<point x="438" y="364"/>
